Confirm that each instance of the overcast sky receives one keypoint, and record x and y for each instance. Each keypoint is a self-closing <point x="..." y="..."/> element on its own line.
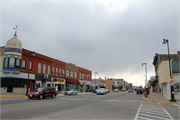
<point x="111" y="38"/>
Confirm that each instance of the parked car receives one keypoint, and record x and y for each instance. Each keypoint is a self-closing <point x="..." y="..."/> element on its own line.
<point x="130" y="90"/>
<point x="107" y="90"/>
<point x="42" y="92"/>
<point x="123" y="89"/>
<point x="71" y="92"/>
<point x="95" y="91"/>
<point x="116" y="90"/>
<point x="101" y="91"/>
<point x="139" y="91"/>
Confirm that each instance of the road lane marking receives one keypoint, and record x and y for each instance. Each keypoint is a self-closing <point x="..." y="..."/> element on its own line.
<point x="167" y="112"/>
<point x="138" y="112"/>
<point x="151" y="111"/>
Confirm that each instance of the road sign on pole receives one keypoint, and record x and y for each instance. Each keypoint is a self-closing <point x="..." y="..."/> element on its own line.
<point x="171" y="79"/>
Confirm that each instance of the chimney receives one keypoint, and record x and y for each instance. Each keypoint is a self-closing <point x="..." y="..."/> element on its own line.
<point x="177" y="52"/>
<point x="105" y="78"/>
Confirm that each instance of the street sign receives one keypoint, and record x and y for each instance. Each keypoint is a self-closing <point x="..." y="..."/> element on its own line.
<point x="171" y="79"/>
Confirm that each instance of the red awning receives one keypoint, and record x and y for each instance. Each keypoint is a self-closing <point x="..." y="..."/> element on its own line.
<point x="73" y="81"/>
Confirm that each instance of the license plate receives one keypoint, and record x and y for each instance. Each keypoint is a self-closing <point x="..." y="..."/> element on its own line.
<point x="30" y="95"/>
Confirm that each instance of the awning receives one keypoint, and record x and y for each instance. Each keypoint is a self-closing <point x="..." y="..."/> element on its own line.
<point x="73" y="81"/>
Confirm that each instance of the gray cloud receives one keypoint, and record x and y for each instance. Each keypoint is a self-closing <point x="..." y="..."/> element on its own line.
<point x="89" y="35"/>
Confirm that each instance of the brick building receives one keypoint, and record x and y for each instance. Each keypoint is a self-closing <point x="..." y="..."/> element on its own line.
<point x="43" y="70"/>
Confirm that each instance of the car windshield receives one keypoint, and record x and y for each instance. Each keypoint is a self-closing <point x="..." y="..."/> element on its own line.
<point x="71" y="90"/>
<point x="38" y="89"/>
<point x="101" y="89"/>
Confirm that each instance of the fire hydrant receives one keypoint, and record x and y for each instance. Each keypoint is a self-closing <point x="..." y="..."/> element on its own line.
<point x="145" y="94"/>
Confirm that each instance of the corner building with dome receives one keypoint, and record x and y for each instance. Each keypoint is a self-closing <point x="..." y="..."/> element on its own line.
<point x="21" y="68"/>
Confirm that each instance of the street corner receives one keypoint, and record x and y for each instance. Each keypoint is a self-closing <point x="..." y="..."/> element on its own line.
<point x="145" y="99"/>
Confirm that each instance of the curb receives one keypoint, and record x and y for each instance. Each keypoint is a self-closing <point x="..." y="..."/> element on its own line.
<point x="5" y="96"/>
<point x="157" y="101"/>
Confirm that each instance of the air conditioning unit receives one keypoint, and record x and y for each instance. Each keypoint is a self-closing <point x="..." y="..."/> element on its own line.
<point x="45" y="76"/>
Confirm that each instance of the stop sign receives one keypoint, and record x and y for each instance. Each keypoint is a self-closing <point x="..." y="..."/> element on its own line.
<point x="171" y="79"/>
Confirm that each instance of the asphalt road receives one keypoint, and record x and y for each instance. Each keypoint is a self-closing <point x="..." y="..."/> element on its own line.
<point x="119" y="105"/>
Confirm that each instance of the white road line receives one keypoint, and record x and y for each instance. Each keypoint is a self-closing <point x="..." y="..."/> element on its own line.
<point x="154" y="116"/>
<point x="148" y="111"/>
<point x="167" y="112"/>
<point x="143" y="118"/>
<point x="153" y="111"/>
<point x="138" y="112"/>
<point x="164" y="115"/>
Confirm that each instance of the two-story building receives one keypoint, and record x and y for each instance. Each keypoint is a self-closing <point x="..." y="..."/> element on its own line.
<point x="21" y="68"/>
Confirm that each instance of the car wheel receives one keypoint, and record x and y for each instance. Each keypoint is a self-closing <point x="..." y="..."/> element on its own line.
<point x="105" y="93"/>
<point x="97" y="94"/>
<point x="53" y="96"/>
<point x="41" y="97"/>
<point x="76" y="93"/>
<point x="30" y="98"/>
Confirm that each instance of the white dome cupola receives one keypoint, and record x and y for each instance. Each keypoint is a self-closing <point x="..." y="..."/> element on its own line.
<point x="14" y="42"/>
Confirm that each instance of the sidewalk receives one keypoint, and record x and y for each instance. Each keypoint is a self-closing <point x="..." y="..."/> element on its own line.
<point x="16" y="95"/>
<point x="155" y="97"/>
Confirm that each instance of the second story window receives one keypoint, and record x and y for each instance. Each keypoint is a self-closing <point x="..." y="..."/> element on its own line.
<point x="63" y="72"/>
<point x="17" y="65"/>
<point x="67" y="73"/>
<point x="53" y="71"/>
<point x="44" y="69"/>
<point x="56" y="71"/>
<point x="59" y="72"/>
<point x="11" y="62"/>
<point x="24" y="65"/>
<point x="49" y="70"/>
<point x="82" y="76"/>
<point x="72" y="73"/>
<point x="79" y="75"/>
<point x="30" y="66"/>
<point x="75" y="74"/>
<point x="39" y="67"/>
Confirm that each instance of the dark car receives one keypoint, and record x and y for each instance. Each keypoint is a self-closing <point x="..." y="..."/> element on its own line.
<point x="42" y="92"/>
<point x="139" y="91"/>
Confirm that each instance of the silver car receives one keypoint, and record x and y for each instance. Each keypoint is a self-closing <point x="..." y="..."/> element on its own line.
<point x="71" y="92"/>
<point x="101" y="91"/>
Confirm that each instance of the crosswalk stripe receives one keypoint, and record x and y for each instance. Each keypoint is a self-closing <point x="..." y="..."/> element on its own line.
<point x="153" y="116"/>
<point x="150" y="112"/>
<point x="164" y="115"/>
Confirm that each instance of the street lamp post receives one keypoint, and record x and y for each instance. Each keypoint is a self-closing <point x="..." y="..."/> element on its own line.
<point x="28" y="71"/>
<point x="145" y="69"/>
<point x="164" y="42"/>
<point x="95" y="79"/>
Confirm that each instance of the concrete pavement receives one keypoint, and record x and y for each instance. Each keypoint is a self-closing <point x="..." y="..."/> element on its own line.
<point x="155" y="97"/>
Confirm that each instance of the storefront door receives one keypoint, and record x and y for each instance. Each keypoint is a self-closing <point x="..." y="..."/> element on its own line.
<point x="10" y="85"/>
